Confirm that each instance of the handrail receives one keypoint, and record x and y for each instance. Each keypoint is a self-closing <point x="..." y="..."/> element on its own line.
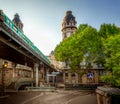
<point x="50" y="88"/>
<point x="8" y="82"/>
<point x="20" y="81"/>
<point x="18" y="31"/>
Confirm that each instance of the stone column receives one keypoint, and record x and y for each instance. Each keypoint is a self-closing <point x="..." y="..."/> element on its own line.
<point x="37" y="73"/>
<point x="84" y="79"/>
<point x="47" y="76"/>
<point x="64" y="77"/>
<point x="32" y="74"/>
<point x="13" y="71"/>
<point x="96" y="76"/>
<point x="42" y="76"/>
<point x="76" y="77"/>
<point x="69" y="77"/>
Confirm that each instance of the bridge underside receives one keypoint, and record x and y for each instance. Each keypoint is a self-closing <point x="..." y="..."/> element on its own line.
<point x="12" y="51"/>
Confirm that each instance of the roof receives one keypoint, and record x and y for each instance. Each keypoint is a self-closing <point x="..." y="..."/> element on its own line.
<point x="16" y="18"/>
<point x="52" y="52"/>
<point x="69" y="17"/>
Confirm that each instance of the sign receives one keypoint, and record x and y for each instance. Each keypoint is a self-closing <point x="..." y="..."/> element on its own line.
<point x="55" y="73"/>
<point x="90" y="75"/>
<point x="51" y="75"/>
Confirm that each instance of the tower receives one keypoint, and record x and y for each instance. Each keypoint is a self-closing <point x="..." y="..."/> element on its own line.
<point x="17" y="21"/>
<point x="68" y="25"/>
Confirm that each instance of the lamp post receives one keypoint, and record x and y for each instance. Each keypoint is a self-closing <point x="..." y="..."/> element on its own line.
<point x="5" y="65"/>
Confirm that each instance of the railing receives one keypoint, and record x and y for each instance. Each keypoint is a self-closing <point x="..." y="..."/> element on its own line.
<point x="8" y="82"/>
<point x="11" y="82"/>
<point x="40" y="88"/>
<point x="18" y="31"/>
<point x="22" y="81"/>
<point x="81" y="86"/>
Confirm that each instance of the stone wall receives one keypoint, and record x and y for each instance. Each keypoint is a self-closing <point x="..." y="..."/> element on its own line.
<point x="105" y="95"/>
<point x="68" y="76"/>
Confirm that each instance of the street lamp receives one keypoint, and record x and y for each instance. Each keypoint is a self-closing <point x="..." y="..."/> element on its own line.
<point x="5" y="65"/>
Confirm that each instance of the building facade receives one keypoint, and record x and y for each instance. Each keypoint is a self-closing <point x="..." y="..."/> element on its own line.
<point x="56" y="64"/>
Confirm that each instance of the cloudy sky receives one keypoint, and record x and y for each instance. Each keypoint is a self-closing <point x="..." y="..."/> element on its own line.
<point x="42" y="19"/>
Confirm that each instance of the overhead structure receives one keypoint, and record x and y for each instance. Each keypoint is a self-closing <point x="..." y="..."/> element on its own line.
<point x="13" y="32"/>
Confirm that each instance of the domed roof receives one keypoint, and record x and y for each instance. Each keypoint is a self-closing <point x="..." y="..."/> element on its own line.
<point x="17" y="21"/>
<point x="52" y="52"/>
<point x="17" y="18"/>
<point x="69" y="17"/>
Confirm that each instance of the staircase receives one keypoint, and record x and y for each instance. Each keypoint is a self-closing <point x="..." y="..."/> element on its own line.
<point x="16" y="83"/>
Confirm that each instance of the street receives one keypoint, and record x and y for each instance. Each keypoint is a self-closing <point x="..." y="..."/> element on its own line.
<point x="57" y="97"/>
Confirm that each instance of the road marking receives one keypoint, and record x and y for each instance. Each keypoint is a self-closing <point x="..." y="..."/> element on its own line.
<point x="67" y="102"/>
<point x="32" y="98"/>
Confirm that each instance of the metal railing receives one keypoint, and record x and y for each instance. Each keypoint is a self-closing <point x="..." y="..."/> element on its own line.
<point x="19" y="32"/>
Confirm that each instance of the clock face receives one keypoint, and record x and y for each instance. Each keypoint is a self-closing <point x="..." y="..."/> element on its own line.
<point x="68" y="34"/>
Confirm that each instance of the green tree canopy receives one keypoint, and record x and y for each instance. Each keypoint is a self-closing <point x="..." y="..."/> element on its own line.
<point x="107" y="30"/>
<point x="91" y="46"/>
<point x="112" y="51"/>
<point x="83" y="42"/>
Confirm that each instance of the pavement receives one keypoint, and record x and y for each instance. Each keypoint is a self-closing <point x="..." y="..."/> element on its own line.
<point x="17" y="97"/>
<point x="57" y="97"/>
<point x="86" y="99"/>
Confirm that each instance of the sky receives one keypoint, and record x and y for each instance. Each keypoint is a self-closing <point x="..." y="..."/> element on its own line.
<point x="42" y="19"/>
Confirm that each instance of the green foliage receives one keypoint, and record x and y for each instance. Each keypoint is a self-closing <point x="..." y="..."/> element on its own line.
<point x="110" y="37"/>
<point x="81" y="73"/>
<point x="83" y="41"/>
<point x="107" y="30"/>
<point x="101" y="47"/>
<point x="111" y="79"/>
<point x="112" y="51"/>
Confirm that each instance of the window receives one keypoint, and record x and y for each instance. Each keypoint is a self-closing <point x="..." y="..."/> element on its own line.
<point x="73" y="74"/>
<point x="66" y="74"/>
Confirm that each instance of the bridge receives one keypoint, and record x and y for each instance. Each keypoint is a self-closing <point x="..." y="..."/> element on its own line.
<point x="16" y="47"/>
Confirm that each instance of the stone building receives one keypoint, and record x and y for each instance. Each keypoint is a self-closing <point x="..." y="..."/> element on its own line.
<point x="56" y="64"/>
<point x="68" y="28"/>
<point x="68" y="25"/>
<point x="84" y="75"/>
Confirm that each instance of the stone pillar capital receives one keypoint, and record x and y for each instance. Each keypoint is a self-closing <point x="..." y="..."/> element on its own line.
<point x="36" y="65"/>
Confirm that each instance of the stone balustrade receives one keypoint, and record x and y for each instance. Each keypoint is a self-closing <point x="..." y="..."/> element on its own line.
<point x="108" y="95"/>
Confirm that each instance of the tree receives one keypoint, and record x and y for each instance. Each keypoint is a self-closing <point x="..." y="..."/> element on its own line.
<point x="110" y="37"/>
<point x="91" y="46"/>
<point x="107" y="30"/>
<point x="74" y="48"/>
<point x="112" y="51"/>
